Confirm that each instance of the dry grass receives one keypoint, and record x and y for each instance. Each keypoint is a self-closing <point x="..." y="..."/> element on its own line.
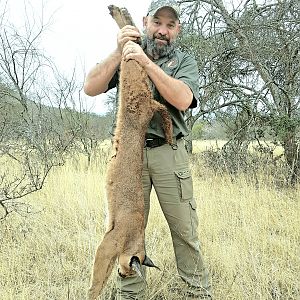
<point x="250" y="238"/>
<point x="203" y="145"/>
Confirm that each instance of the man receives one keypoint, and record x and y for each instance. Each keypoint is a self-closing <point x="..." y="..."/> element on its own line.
<point x="174" y="77"/>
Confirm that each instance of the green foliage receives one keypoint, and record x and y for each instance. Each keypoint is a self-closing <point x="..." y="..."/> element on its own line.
<point x="283" y="125"/>
<point x="198" y="130"/>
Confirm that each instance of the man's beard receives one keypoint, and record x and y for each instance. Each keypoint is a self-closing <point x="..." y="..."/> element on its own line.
<point x="157" y="51"/>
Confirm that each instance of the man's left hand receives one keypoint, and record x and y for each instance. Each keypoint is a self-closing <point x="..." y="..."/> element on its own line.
<point x="134" y="51"/>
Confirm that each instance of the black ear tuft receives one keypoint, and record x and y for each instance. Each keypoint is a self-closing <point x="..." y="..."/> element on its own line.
<point x="149" y="263"/>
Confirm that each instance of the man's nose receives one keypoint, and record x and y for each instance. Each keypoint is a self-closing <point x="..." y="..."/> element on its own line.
<point x="163" y="30"/>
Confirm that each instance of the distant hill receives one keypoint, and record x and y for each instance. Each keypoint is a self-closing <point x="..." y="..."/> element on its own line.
<point x="15" y="111"/>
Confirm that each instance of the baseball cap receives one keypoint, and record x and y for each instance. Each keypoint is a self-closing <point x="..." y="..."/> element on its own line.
<point x="158" y="4"/>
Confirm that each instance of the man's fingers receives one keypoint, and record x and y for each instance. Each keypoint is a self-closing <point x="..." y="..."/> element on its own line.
<point x="129" y="51"/>
<point x="127" y="33"/>
<point x="130" y="27"/>
<point x="129" y="36"/>
<point x="125" y="40"/>
<point x="130" y="32"/>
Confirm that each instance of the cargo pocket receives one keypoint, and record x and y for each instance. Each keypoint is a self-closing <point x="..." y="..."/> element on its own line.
<point x="185" y="184"/>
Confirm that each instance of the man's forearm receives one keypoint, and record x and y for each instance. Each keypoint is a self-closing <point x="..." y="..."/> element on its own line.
<point x="99" y="77"/>
<point x="173" y="90"/>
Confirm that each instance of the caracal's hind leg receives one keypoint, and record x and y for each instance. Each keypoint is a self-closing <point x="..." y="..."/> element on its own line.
<point x="167" y="121"/>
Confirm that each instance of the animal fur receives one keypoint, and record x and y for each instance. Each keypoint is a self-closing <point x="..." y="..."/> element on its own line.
<point x="125" y="236"/>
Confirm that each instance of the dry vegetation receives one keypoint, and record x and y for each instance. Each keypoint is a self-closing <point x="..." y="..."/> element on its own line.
<point x="250" y="238"/>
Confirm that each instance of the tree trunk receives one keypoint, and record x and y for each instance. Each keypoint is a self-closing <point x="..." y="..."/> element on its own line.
<point x="190" y="121"/>
<point x="292" y="154"/>
<point x="189" y="144"/>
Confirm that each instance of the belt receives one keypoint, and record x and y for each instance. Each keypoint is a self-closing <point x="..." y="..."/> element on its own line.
<point x="154" y="142"/>
<point x="157" y="142"/>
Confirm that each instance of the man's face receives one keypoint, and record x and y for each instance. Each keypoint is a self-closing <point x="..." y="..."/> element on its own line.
<point x="161" y="32"/>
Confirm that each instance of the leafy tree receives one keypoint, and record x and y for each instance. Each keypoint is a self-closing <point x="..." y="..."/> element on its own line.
<point x="198" y="130"/>
<point x="248" y="58"/>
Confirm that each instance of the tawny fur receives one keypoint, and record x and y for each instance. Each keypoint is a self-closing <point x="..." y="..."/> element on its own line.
<point x="125" y="235"/>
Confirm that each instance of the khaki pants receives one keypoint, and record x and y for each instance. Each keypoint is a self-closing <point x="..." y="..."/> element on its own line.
<point x="167" y="170"/>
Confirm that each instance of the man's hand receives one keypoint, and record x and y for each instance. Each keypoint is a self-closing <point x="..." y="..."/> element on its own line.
<point x="127" y="33"/>
<point x="134" y="51"/>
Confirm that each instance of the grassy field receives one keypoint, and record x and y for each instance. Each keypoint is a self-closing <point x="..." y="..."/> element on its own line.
<point x="250" y="238"/>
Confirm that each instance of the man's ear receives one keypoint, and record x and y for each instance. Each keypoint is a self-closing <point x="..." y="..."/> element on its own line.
<point x="179" y="28"/>
<point x="145" y="21"/>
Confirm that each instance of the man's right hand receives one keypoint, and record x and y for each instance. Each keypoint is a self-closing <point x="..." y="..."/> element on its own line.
<point x="98" y="78"/>
<point x="127" y="33"/>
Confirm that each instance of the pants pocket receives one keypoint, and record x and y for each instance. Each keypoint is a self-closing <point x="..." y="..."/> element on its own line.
<point x="185" y="184"/>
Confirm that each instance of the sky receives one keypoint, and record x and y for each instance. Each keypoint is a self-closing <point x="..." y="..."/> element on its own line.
<point x="80" y="32"/>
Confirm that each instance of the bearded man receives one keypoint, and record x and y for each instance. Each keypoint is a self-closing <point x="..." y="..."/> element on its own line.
<point x="174" y="79"/>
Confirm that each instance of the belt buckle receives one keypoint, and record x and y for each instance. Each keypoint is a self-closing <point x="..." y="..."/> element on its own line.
<point x="146" y="142"/>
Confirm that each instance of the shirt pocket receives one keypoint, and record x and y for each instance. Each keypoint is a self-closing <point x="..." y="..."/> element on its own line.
<point x="185" y="184"/>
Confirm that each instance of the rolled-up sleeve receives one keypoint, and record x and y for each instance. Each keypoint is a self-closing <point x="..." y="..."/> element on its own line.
<point x="188" y="73"/>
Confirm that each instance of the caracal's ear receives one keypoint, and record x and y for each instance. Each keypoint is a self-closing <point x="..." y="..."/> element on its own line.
<point x="149" y="263"/>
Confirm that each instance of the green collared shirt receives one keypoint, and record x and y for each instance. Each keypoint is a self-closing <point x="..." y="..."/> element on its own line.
<point x="180" y="66"/>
